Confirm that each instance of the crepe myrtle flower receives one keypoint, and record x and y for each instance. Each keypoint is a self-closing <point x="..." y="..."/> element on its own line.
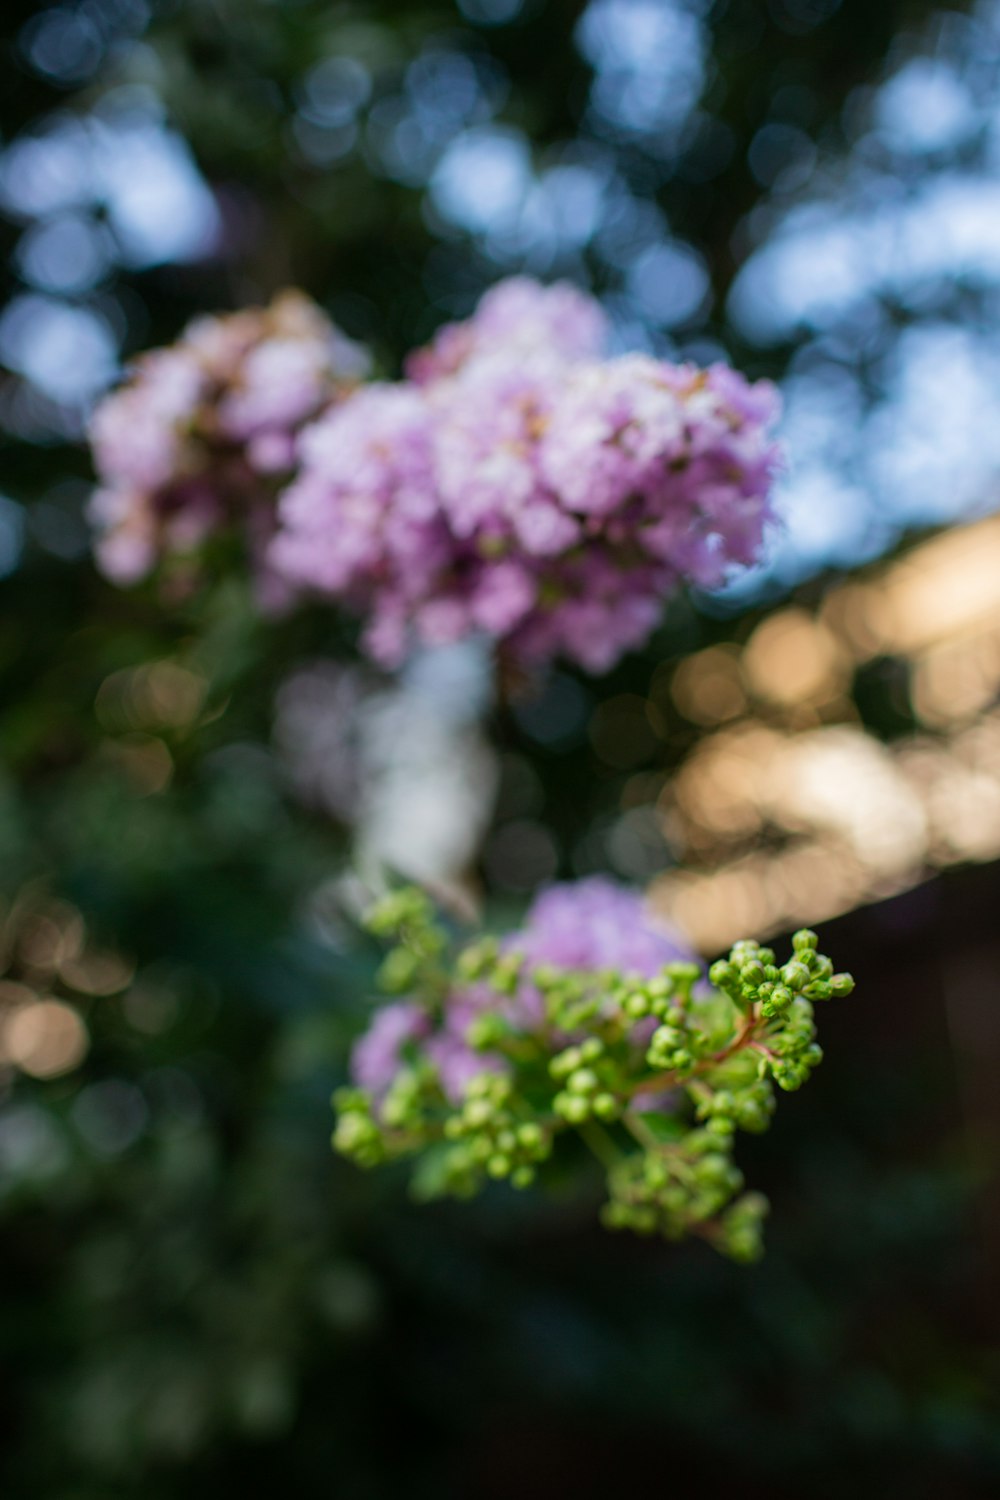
<point x="197" y="438"/>
<point x="519" y="320"/>
<point x="551" y="507"/>
<point x="592" y="1019"/>
<point x="518" y="485"/>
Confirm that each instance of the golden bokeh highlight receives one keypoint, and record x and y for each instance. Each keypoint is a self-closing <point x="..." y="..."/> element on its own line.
<point x="156" y="696"/>
<point x="789" y="811"/>
<point x="50" y="973"/>
<point x="44" y="1039"/>
<point x="708" y="687"/>
<point x="793" y="658"/>
<point x="145" y="761"/>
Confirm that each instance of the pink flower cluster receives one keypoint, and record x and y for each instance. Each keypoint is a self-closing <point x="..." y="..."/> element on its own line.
<point x="199" y="437"/>
<point x="518" y="319"/>
<point x="517" y="484"/>
<point x="521" y="486"/>
<point x="583" y="927"/>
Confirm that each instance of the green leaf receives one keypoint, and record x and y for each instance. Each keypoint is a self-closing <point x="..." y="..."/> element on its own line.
<point x="666" y="1130"/>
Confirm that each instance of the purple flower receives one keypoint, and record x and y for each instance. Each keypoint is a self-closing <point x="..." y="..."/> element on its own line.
<point x="363" y="493"/>
<point x="596" y="924"/>
<point x="549" y="507"/>
<point x="486" y="430"/>
<point x="362" y="521"/>
<point x="587" y="926"/>
<point x="518" y="486"/>
<point x="456" y="1062"/>
<point x="378" y="1055"/>
<point x="616" y="426"/>
<point x="187" y="446"/>
<point x="518" y="321"/>
<point x="675" y="458"/>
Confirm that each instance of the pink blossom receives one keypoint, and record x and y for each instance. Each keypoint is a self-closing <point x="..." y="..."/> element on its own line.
<point x="186" y="447"/>
<point x="518" y="319"/>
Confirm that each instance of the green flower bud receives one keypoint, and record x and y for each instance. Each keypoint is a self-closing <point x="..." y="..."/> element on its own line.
<point x="745" y="1247"/>
<point x="713" y="1167"/>
<point x="395" y="1111"/>
<point x="683" y="973"/>
<point x="778" y="1000"/>
<point x="351" y="1098"/>
<point x="573" y="1107"/>
<point x="545" y="976"/>
<point x="486" y="1031"/>
<point x="397" y="970"/>
<point x="796" y="975"/>
<point x="566" y="1062"/>
<point x="473" y="961"/>
<point x="579" y="1014"/>
<point x="357" y="1136"/>
<point x="583" y="1081"/>
<point x="477" y="1112"/>
<point x="752" y="973"/>
<point x="692" y="1178"/>
<point x="655" y="1172"/>
<point x="614" y="1216"/>
<point x="506" y="974"/>
<point x="389" y="914"/>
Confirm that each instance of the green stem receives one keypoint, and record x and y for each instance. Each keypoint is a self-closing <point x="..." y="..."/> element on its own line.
<point x="641" y="1133"/>
<point x="743" y="1038"/>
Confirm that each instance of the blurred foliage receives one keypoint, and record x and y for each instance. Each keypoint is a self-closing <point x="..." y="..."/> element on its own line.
<point x="198" y="1295"/>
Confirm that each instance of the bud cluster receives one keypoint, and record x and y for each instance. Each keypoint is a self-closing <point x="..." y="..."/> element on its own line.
<point x="493" y="1056"/>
